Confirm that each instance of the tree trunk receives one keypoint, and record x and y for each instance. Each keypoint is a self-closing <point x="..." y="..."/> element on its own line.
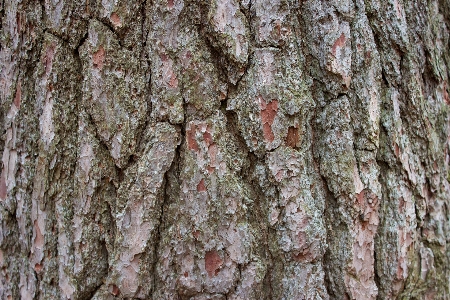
<point x="225" y="149"/>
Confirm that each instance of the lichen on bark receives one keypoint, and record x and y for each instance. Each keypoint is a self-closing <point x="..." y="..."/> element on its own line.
<point x="224" y="149"/>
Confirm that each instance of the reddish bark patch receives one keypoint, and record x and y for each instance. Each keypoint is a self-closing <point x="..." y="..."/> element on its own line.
<point x="268" y="134"/>
<point x="210" y="169"/>
<point x="213" y="262"/>
<point x="201" y="186"/>
<point x="396" y="150"/>
<point x="98" y="58"/>
<point x="196" y="234"/>
<point x="114" y="290"/>
<point x="292" y="137"/>
<point x="18" y="96"/>
<point x="170" y="4"/>
<point x="268" y="114"/>
<point x="192" y="143"/>
<point x="360" y="197"/>
<point x="115" y="20"/>
<point x="207" y="137"/>
<point x="38" y="267"/>
<point x="340" y="42"/>
<point x="3" y="186"/>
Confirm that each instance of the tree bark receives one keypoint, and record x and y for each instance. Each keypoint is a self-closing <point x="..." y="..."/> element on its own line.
<point x="225" y="149"/>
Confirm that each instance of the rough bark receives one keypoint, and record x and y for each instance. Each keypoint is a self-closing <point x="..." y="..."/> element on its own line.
<point x="225" y="149"/>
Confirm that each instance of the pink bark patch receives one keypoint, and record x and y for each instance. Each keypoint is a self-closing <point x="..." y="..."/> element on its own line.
<point x="340" y="42"/>
<point x="212" y="152"/>
<point x="18" y="96"/>
<point x="360" y="197"/>
<point x="98" y="58"/>
<point x="207" y="138"/>
<point x="268" y="113"/>
<point x="168" y="73"/>
<point x="191" y="141"/>
<point x="39" y="239"/>
<point x="115" y="20"/>
<point x="170" y="3"/>
<point x="3" y="186"/>
<point x="213" y="262"/>
<point x="201" y="186"/>
<point x="48" y="58"/>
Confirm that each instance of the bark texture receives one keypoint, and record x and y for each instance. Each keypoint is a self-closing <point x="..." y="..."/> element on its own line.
<point x="225" y="149"/>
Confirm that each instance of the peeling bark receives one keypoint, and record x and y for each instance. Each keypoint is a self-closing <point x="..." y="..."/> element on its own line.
<point x="224" y="149"/>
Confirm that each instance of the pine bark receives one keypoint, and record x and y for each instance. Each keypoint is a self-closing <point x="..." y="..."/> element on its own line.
<point x="225" y="149"/>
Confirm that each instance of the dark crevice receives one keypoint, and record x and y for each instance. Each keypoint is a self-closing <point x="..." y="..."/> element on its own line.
<point x="80" y="43"/>
<point x="91" y="294"/>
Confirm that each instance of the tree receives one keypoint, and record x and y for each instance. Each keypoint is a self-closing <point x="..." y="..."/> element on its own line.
<point x="265" y="149"/>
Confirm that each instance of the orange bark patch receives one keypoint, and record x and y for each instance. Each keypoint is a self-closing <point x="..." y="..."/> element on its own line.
<point x="18" y="96"/>
<point x="115" y="20"/>
<point x="292" y="138"/>
<point x="190" y="135"/>
<point x="213" y="262"/>
<point x="201" y="186"/>
<point x="268" y="114"/>
<point x="98" y="58"/>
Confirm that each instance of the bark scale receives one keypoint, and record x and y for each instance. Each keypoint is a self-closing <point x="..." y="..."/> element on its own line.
<point x="225" y="149"/>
